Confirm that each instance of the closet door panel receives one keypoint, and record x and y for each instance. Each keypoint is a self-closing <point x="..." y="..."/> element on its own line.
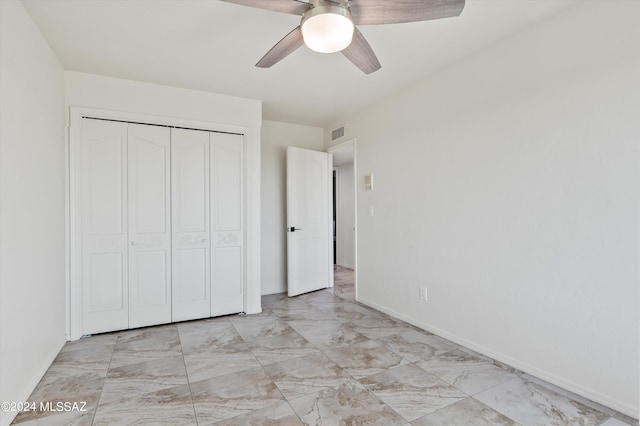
<point x="191" y="295"/>
<point x="149" y="225"/>
<point x="105" y="180"/>
<point x="227" y="223"/>
<point x="191" y="277"/>
<point x="228" y="280"/>
<point x="228" y="181"/>
<point x="151" y="269"/>
<point x="103" y="220"/>
<point x="105" y="269"/>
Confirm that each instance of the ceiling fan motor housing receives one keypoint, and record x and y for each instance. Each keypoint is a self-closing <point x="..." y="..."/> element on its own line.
<point x="327" y="27"/>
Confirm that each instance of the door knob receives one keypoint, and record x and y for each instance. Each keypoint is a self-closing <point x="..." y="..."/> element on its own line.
<point x="294" y="229"/>
<point x="204" y="240"/>
<point x="133" y="243"/>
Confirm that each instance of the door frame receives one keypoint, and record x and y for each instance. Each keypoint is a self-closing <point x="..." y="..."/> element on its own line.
<point x="335" y="184"/>
<point x="353" y="144"/>
<point x="251" y="270"/>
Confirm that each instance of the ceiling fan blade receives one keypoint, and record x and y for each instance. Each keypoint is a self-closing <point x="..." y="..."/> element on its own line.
<point x="374" y="12"/>
<point x="282" y="49"/>
<point x="361" y="54"/>
<point x="285" y="6"/>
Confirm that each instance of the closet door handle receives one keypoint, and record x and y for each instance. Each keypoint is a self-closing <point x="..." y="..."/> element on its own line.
<point x="204" y="240"/>
<point x="133" y="243"/>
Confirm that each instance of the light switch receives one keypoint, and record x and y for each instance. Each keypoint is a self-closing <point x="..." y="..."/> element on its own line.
<point x="371" y="211"/>
<point x="368" y="182"/>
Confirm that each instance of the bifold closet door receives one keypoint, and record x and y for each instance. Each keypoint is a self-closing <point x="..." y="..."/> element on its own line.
<point x="102" y="191"/>
<point x="161" y="224"/>
<point x="149" y="208"/>
<point x="227" y="233"/>
<point x="191" y="294"/>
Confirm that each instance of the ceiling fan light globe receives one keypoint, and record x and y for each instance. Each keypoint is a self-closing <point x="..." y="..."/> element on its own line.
<point x="327" y="32"/>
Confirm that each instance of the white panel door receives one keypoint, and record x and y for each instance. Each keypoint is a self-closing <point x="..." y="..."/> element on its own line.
<point x="191" y="260"/>
<point x="227" y="204"/>
<point x="308" y="220"/>
<point x="103" y="204"/>
<point x="149" y="176"/>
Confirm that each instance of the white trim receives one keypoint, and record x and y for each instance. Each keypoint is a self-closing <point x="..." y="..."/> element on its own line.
<point x="74" y="302"/>
<point x="591" y="394"/>
<point x="330" y="203"/>
<point x="77" y="112"/>
<point x="67" y="227"/>
<point x="336" y="196"/>
<point x="252" y="164"/>
<point x="251" y="290"/>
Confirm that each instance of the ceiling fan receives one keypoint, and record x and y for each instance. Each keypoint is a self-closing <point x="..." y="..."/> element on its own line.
<point x="329" y="26"/>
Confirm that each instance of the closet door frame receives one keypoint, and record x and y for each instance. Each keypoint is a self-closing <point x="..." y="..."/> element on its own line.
<point x="251" y="165"/>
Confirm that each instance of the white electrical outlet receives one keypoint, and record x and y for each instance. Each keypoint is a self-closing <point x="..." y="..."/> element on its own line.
<point x="423" y="293"/>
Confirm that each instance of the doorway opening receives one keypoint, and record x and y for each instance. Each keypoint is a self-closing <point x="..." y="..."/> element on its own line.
<point x="344" y="220"/>
<point x="335" y="247"/>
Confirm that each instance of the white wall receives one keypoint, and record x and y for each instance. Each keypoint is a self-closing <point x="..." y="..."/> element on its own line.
<point x="227" y="112"/>
<point x="276" y="136"/>
<point x="32" y="209"/>
<point x="90" y="90"/>
<point x="345" y="214"/>
<point x="508" y="184"/>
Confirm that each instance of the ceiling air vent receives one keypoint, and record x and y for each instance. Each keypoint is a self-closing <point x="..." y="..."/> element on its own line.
<point x="337" y="133"/>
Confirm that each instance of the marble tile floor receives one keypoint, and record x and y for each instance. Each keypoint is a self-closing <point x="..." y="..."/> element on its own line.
<point x="317" y="359"/>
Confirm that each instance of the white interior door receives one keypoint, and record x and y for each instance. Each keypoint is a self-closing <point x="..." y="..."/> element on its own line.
<point x="149" y="225"/>
<point x="103" y="201"/>
<point x="309" y="227"/>
<point x="227" y="223"/>
<point x="191" y="295"/>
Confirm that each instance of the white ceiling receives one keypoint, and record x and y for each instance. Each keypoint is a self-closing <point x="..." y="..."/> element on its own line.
<point x="212" y="45"/>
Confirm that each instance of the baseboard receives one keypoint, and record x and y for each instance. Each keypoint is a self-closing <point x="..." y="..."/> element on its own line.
<point x="9" y="416"/>
<point x="554" y="379"/>
<point x="346" y="266"/>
